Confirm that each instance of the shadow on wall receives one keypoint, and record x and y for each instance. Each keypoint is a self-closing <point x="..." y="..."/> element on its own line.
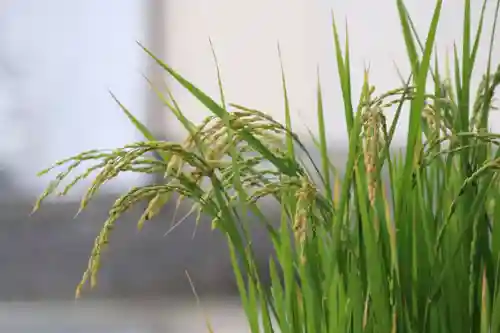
<point x="44" y="256"/>
<point x="7" y="185"/>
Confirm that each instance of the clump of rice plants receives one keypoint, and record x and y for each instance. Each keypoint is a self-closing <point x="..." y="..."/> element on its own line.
<point x="417" y="252"/>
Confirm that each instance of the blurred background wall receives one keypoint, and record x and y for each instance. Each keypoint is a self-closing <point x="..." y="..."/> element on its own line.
<point x="58" y="59"/>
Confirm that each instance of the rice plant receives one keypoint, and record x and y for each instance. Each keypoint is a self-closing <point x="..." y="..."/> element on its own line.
<point x="416" y="252"/>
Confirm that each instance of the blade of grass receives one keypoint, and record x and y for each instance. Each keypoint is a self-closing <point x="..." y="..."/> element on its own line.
<point x="420" y="71"/>
<point x="138" y="125"/>
<point x="288" y="119"/>
<point x="323" y="144"/>
<point x="343" y="68"/>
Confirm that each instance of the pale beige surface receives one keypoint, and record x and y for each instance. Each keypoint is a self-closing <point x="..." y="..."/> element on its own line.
<point x="245" y="35"/>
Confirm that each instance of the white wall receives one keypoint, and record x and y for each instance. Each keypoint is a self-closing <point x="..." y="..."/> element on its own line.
<point x="63" y="57"/>
<point x="245" y="34"/>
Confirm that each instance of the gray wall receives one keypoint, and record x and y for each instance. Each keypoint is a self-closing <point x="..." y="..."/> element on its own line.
<point x="42" y="257"/>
